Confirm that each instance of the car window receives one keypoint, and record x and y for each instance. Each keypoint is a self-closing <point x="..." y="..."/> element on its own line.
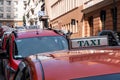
<point x="29" y="46"/>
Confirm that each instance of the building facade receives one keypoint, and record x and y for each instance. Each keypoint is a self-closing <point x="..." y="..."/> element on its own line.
<point x="101" y="15"/>
<point x="66" y="15"/>
<point x="35" y="13"/>
<point x="11" y="12"/>
<point x="84" y="17"/>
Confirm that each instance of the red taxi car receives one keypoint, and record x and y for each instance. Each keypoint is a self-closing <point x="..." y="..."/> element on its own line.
<point x="25" y="43"/>
<point x="71" y="65"/>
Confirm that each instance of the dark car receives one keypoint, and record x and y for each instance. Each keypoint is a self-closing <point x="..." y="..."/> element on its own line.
<point x="113" y="37"/>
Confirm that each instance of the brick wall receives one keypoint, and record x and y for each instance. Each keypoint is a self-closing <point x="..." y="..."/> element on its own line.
<point x="97" y="24"/>
<point x="84" y="28"/>
<point x="65" y="20"/>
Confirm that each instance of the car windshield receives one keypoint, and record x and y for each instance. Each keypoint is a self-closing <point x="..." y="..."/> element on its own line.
<point x="29" y="46"/>
<point x="102" y="77"/>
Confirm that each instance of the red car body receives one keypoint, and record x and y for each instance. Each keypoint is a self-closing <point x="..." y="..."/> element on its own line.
<point x="71" y="65"/>
<point x="27" y="34"/>
<point x="8" y="43"/>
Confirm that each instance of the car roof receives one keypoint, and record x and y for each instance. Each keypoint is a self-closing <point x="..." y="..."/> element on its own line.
<point x="66" y="65"/>
<point x="35" y="33"/>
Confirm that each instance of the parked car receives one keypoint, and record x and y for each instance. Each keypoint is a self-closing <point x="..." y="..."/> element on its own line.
<point x="23" y="44"/>
<point x="113" y="37"/>
<point x="71" y="65"/>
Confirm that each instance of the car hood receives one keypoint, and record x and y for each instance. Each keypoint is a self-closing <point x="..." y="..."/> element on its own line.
<point x="66" y="65"/>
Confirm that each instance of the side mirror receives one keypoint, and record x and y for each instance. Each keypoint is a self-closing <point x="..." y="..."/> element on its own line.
<point x="3" y="55"/>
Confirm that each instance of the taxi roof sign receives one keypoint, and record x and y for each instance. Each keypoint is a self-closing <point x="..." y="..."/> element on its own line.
<point x="89" y="41"/>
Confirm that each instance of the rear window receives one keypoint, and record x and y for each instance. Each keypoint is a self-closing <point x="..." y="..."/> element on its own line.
<point x="102" y="77"/>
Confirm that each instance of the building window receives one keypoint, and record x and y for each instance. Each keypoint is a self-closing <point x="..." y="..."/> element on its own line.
<point x="1" y="2"/>
<point x="73" y="21"/>
<point x="32" y="11"/>
<point x="67" y="4"/>
<point x="28" y="15"/>
<point x="1" y="9"/>
<point x="43" y="0"/>
<point x="74" y="25"/>
<point x="1" y="15"/>
<point x="90" y="21"/>
<point x="16" y="16"/>
<point x="103" y="18"/>
<point x="25" y="3"/>
<point x="8" y="15"/>
<point x="8" y="9"/>
<point x="15" y="2"/>
<point x="8" y="2"/>
<point x="114" y="18"/>
<point x="15" y="9"/>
